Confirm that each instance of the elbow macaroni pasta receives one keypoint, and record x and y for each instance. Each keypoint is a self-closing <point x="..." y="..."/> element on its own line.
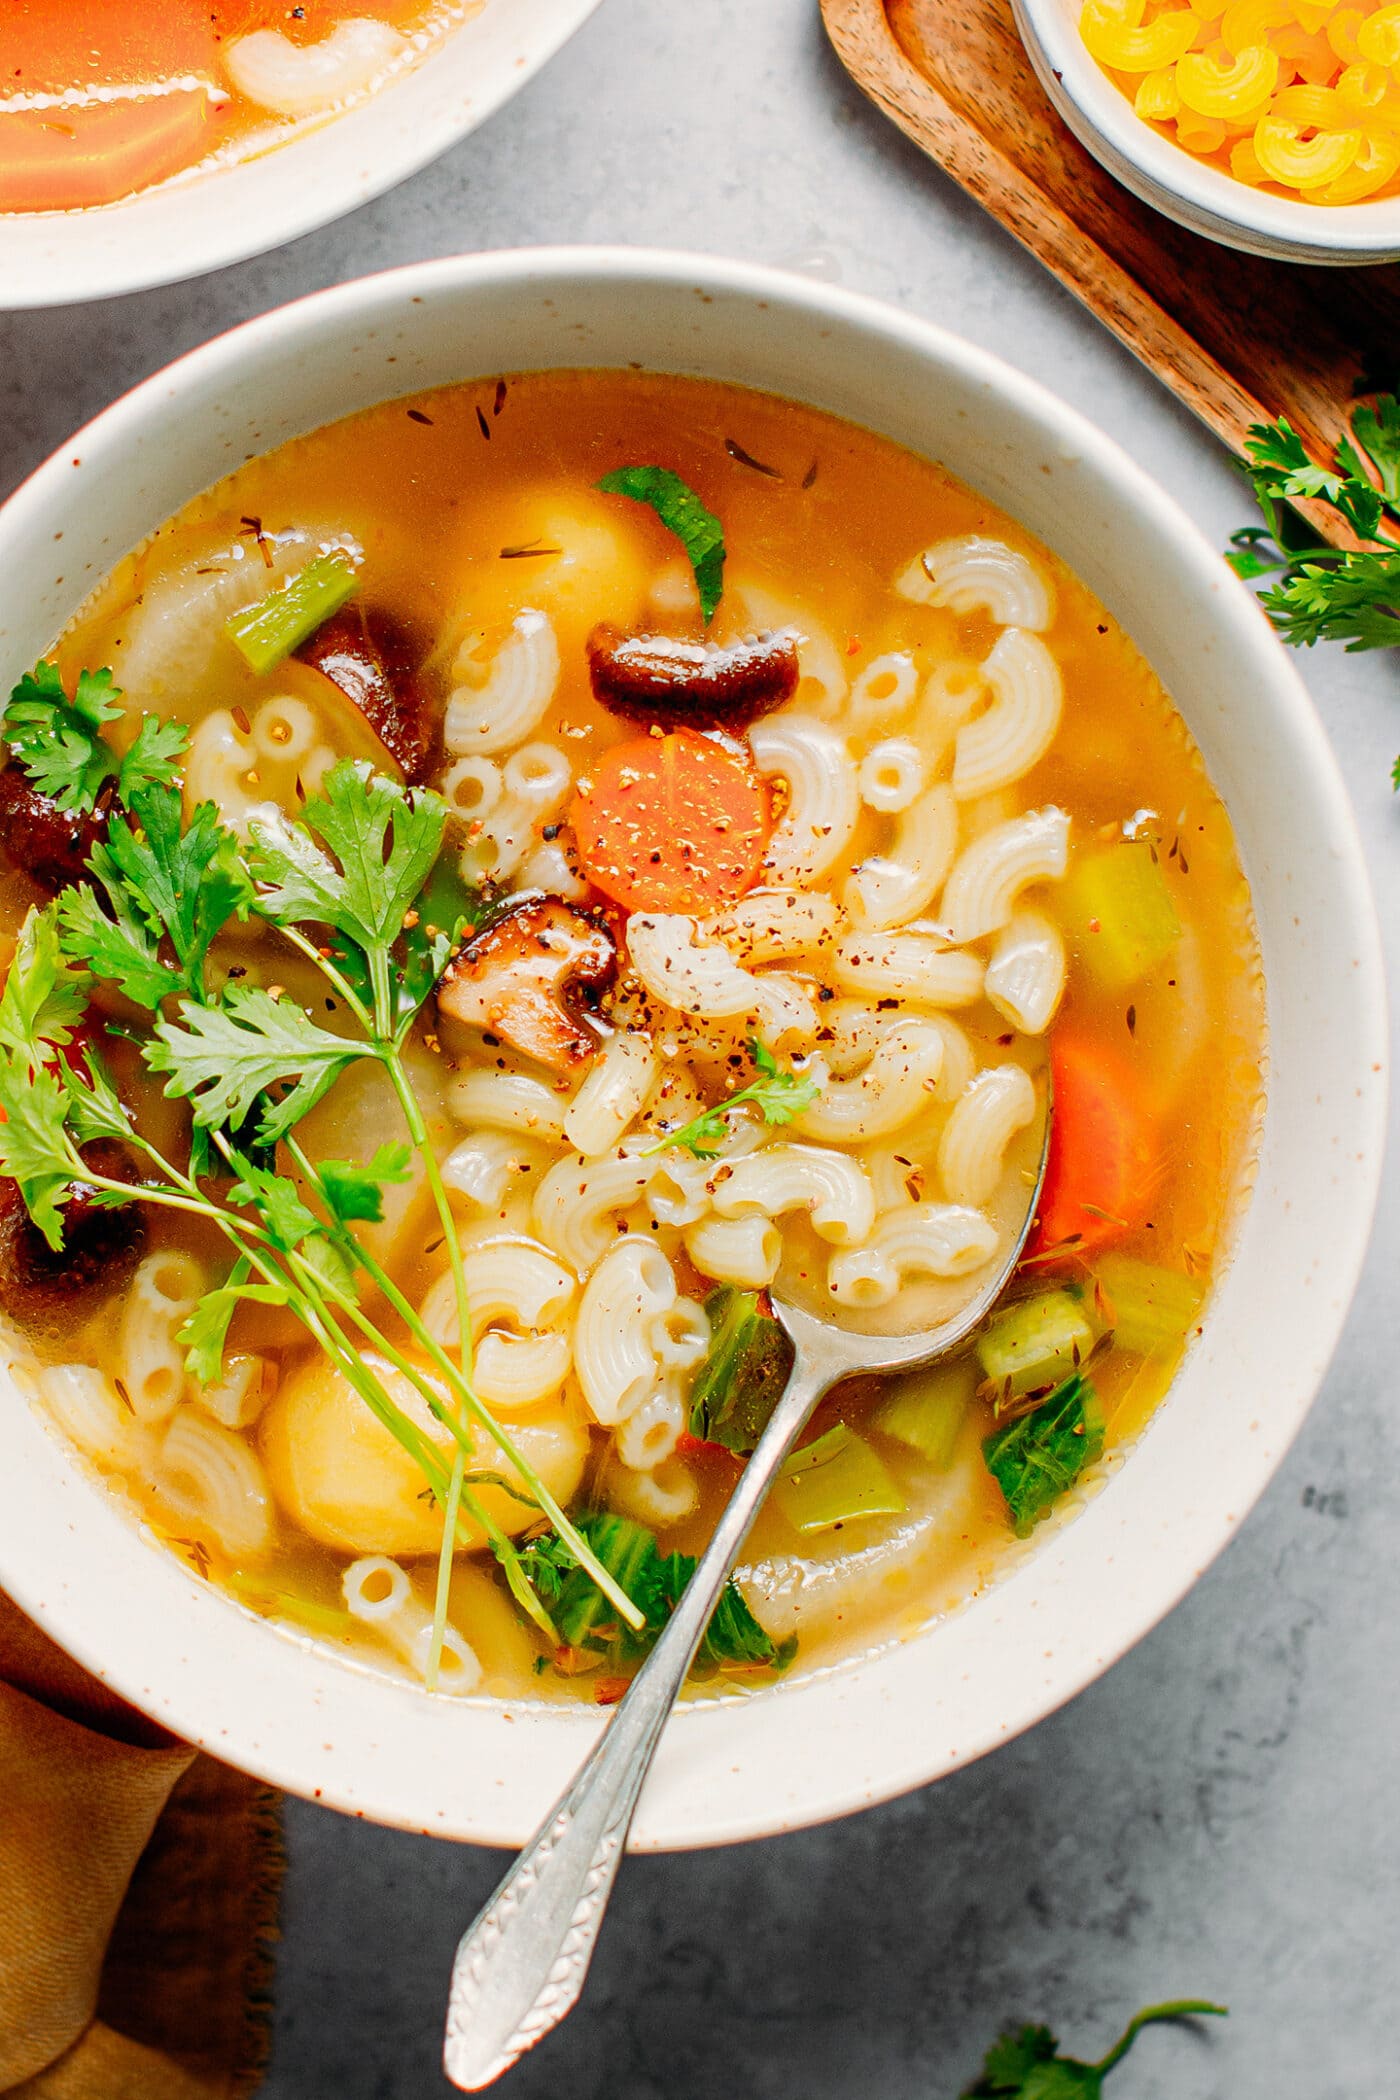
<point x="1289" y="93"/>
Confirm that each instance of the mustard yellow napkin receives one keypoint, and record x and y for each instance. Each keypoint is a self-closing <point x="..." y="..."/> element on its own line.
<point x="138" y="1889"/>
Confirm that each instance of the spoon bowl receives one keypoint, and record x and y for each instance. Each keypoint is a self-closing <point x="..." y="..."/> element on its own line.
<point x="520" y="1967"/>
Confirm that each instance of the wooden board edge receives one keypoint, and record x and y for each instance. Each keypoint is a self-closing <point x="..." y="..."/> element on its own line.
<point x="867" y="47"/>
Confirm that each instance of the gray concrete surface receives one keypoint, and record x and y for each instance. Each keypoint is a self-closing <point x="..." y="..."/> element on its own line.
<point x="1218" y="1815"/>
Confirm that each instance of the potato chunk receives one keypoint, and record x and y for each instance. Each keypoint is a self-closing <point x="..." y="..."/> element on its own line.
<point x="344" y="1478"/>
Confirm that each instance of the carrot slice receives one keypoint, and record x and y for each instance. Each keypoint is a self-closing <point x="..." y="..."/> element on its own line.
<point x="1104" y="1163"/>
<point x="671" y="823"/>
<point x="63" y="159"/>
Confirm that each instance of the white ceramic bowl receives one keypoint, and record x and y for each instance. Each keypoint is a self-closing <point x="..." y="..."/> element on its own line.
<point x="816" y="1746"/>
<point x="203" y="222"/>
<point x="1173" y="181"/>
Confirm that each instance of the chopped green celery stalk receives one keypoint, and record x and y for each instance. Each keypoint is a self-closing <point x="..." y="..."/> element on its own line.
<point x="836" y="1480"/>
<point x="267" y="632"/>
<point x="318" y="1618"/>
<point x="1149" y="1309"/>
<point x="927" y="1409"/>
<point x="1117" y="909"/>
<point x="742" y="1377"/>
<point x="1036" y="1458"/>
<point x="1035" y="1344"/>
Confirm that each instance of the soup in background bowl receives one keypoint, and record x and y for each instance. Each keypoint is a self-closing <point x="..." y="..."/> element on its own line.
<point x="203" y="134"/>
<point x="856" y="832"/>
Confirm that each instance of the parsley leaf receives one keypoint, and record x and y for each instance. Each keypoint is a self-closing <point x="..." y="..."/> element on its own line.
<point x="1378" y="433"/>
<point x="95" y="1108"/>
<point x="681" y="512"/>
<point x="60" y="744"/>
<point x="276" y="1198"/>
<point x="1325" y="593"/>
<point x="35" y="1148"/>
<point x="221" y="1058"/>
<point x="1353" y="599"/>
<point x="778" y="1096"/>
<point x="655" y="1582"/>
<point x="385" y="839"/>
<point x="204" y="1336"/>
<point x="1025" y="2064"/>
<point x="161" y="881"/>
<point x="43" y="999"/>
<point x="59" y="741"/>
<point x="152" y="759"/>
<point x="1035" y="1458"/>
<point x="121" y="948"/>
<point x="354" y="1189"/>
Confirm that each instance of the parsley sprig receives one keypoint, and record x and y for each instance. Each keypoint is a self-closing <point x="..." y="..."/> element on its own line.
<point x="1026" y="2064"/>
<point x="341" y="885"/>
<point x="1323" y="593"/>
<point x="778" y="1096"/>
<point x="60" y="743"/>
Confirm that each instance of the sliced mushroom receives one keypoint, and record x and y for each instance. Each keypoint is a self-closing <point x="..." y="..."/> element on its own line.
<point x="370" y="656"/>
<point x="48" y="1291"/>
<point x="43" y="841"/>
<point x="657" y="678"/>
<point x="526" y="979"/>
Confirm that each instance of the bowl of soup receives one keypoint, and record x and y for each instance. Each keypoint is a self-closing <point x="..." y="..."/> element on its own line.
<point x="141" y="145"/>
<point x="550" y="794"/>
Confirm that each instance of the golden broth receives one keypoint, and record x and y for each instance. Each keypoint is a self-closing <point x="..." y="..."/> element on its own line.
<point x="106" y="98"/>
<point x="473" y="503"/>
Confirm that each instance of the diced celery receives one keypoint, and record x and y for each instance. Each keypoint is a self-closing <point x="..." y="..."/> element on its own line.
<point x="1150" y="1309"/>
<point x="926" y="1410"/>
<point x="742" y="1378"/>
<point x="267" y="632"/>
<point x="1118" y="912"/>
<point x="1036" y="1343"/>
<point x="835" y="1480"/>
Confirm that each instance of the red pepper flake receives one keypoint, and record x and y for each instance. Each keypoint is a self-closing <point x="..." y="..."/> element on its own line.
<point x="608" y="1690"/>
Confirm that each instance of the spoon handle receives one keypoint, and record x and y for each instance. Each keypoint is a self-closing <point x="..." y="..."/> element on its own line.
<point x="520" y="1968"/>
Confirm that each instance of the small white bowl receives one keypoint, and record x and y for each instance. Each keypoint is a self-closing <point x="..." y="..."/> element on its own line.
<point x="204" y="221"/>
<point x="819" y="1745"/>
<point x="1174" y="181"/>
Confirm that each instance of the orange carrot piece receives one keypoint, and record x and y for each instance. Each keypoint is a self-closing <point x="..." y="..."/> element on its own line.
<point x="1104" y="1151"/>
<point x="671" y="823"/>
<point x="63" y="159"/>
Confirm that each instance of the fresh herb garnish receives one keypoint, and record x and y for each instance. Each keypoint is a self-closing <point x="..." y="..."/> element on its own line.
<point x="742" y="1378"/>
<point x="1035" y="1458"/>
<point x="340" y="885"/>
<point x="1324" y="593"/>
<point x="60" y="743"/>
<point x="778" y="1096"/>
<point x="655" y="1581"/>
<point x="1025" y="2064"/>
<point x="681" y="512"/>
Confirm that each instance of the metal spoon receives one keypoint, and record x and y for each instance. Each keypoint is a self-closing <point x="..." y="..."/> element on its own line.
<point x="520" y="1967"/>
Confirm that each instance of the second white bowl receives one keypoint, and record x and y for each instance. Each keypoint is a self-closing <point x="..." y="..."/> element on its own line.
<point x="1174" y="181"/>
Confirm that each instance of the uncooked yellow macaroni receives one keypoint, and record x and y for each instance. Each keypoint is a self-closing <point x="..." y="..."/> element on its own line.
<point x="1301" y="97"/>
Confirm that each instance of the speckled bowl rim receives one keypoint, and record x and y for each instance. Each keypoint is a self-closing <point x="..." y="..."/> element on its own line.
<point x="206" y="221"/>
<point x="822" y="1745"/>
<point x="1173" y="181"/>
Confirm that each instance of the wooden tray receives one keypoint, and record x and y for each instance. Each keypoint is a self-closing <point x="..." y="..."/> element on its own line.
<point x="1240" y="340"/>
